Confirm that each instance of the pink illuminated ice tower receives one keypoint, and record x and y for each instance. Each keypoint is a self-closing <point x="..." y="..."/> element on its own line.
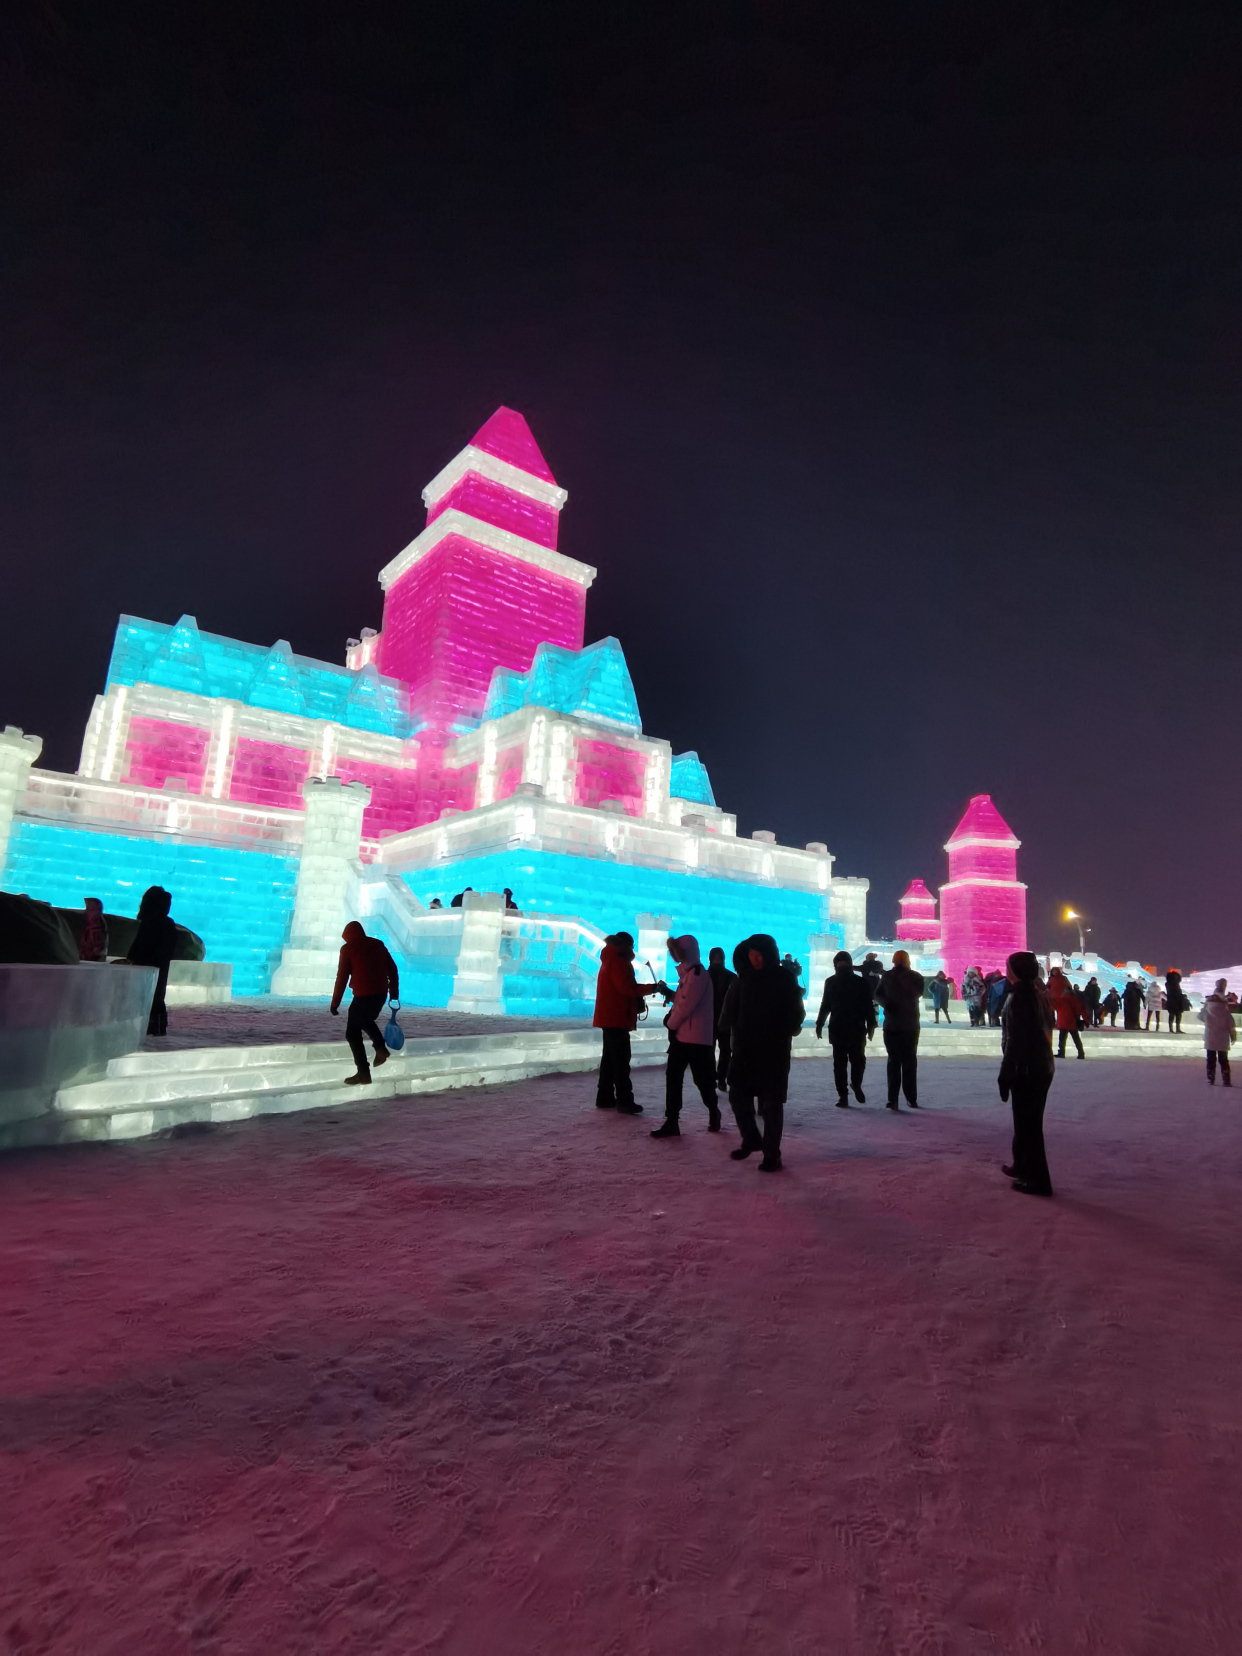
<point x="483" y="584"/>
<point x="983" y="903"/>
<point x="918" y="923"/>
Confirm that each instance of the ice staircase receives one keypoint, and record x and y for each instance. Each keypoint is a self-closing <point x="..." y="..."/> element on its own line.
<point x="149" y="1092"/>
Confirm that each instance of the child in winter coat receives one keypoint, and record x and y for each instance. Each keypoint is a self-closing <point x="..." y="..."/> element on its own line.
<point x="1216" y="1016"/>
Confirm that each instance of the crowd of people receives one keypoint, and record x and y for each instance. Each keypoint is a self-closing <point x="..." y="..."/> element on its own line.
<point x="733" y="1031"/>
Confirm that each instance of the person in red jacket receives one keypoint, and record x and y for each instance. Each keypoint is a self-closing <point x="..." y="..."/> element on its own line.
<point x="1064" y="1003"/>
<point x="618" y="1000"/>
<point x="372" y="972"/>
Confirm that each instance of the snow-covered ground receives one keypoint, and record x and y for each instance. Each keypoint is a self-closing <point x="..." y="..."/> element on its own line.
<point x="492" y="1373"/>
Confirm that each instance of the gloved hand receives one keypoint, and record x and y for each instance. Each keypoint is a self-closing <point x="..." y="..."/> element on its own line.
<point x="1004" y="1092"/>
<point x="819" y="1032"/>
<point x="335" y="1011"/>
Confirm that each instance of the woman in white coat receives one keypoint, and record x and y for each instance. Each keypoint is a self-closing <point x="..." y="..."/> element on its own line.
<point x="1216" y="1016"/>
<point x="1155" y="1003"/>
<point x="691" y="1038"/>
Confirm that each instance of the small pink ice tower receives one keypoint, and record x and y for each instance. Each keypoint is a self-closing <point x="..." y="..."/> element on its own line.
<point x="918" y="923"/>
<point x="483" y="585"/>
<point x="983" y="903"/>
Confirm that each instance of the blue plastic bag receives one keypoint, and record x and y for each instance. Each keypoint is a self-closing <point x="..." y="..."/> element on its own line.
<point x="394" y="1035"/>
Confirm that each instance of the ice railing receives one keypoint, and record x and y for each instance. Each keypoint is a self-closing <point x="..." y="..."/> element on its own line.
<point x="550" y="945"/>
<point x="77" y="801"/>
<point x="541" y="945"/>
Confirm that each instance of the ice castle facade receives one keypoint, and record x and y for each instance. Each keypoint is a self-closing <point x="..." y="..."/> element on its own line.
<point x="474" y="740"/>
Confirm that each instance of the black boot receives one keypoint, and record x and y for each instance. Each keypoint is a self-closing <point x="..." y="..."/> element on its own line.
<point x="669" y="1129"/>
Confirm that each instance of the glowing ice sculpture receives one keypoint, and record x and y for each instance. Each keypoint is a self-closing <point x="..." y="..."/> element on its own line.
<point x="918" y="923"/>
<point x="982" y="904"/>
<point x="689" y="779"/>
<point x="482" y="587"/>
<point x="593" y="684"/>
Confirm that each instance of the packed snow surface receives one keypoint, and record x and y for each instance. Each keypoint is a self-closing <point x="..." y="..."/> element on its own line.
<point x="492" y="1372"/>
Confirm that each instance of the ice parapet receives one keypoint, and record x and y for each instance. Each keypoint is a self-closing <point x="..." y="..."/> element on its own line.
<point x="593" y="683"/>
<point x="689" y="779"/>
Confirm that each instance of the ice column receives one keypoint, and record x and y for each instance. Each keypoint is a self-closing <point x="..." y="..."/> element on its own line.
<point x="333" y="830"/>
<point x="478" y="987"/>
<point x="17" y="753"/>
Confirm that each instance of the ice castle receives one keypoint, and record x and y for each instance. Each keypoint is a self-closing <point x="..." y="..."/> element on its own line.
<point x="475" y="740"/>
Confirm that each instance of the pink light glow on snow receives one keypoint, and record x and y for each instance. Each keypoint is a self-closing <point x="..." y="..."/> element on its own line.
<point x="603" y="771"/>
<point x="160" y="750"/>
<point x="982" y="904"/>
<point x="465" y="610"/>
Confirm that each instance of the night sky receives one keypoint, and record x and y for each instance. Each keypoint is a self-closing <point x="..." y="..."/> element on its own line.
<point x="891" y="357"/>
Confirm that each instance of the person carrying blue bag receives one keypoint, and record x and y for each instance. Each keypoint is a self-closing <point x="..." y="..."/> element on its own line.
<point x="370" y="970"/>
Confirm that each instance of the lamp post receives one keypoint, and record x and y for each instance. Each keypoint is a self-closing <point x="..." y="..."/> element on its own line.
<point x="1077" y="919"/>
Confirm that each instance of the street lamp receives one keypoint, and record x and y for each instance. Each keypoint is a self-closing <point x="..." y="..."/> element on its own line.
<point x="1077" y="919"/>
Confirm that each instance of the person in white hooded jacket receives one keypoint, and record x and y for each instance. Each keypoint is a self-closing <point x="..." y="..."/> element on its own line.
<point x="1216" y="1016"/>
<point x="691" y="1038"/>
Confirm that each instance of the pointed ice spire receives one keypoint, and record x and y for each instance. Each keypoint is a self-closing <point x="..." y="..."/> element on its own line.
<point x="179" y="665"/>
<point x="983" y="821"/>
<point x="370" y="703"/>
<point x="508" y="437"/>
<point x="275" y="683"/>
<point x="689" y="779"/>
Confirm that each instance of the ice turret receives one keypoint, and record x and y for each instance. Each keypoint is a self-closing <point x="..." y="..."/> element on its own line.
<point x="483" y="585"/>
<point x="918" y="923"/>
<point x="983" y="903"/>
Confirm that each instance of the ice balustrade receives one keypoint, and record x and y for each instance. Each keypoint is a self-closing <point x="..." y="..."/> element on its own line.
<point x="608" y="896"/>
<point x="55" y="796"/>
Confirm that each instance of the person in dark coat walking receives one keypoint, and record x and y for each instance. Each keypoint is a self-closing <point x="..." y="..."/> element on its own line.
<point x="849" y="1011"/>
<point x="1131" y="1004"/>
<point x="1026" y="1073"/>
<point x="1175" y="1003"/>
<point x="366" y="966"/>
<point x="871" y="971"/>
<point x="154" y="944"/>
<point x="721" y="978"/>
<point x="766" y="1014"/>
<point x="1091" y="997"/>
<point x="618" y="1000"/>
<point x="1112" y="1005"/>
<point x="901" y="990"/>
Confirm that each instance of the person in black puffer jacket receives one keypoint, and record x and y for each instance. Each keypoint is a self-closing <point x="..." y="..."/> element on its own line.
<point x="766" y="1015"/>
<point x="849" y="1011"/>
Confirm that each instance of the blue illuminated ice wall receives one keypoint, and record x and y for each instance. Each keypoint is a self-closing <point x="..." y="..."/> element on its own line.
<point x="239" y="902"/>
<point x="609" y="895"/>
